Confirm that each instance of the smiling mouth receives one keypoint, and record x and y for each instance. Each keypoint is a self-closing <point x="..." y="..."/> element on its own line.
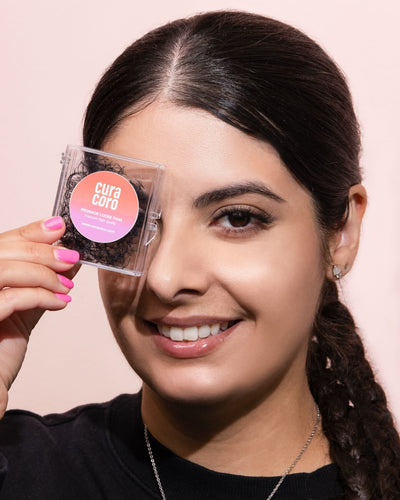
<point x="193" y="333"/>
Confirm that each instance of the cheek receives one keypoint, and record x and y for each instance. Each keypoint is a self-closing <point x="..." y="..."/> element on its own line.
<point x="118" y="292"/>
<point x="279" y="279"/>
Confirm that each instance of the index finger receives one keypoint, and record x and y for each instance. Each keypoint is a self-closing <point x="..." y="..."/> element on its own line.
<point x="43" y="231"/>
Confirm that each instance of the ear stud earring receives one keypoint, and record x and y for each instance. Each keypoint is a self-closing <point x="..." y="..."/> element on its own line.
<point x="337" y="272"/>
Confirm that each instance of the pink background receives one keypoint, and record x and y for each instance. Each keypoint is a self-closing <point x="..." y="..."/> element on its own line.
<point x="52" y="54"/>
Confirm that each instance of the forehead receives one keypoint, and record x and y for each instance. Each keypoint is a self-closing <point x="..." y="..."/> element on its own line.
<point x="200" y="151"/>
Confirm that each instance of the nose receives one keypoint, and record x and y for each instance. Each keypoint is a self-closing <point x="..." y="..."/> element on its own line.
<point x="178" y="265"/>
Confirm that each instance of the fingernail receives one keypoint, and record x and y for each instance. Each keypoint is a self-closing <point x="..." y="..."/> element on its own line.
<point x="65" y="281"/>
<point x="69" y="256"/>
<point x="63" y="296"/>
<point x="53" y="223"/>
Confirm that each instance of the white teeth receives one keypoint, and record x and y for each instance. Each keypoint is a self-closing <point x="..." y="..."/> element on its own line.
<point x="204" y="331"/>
<point x="176" y="333"/>
<point x="214" y="329"/>
<point x="192" y="333"/>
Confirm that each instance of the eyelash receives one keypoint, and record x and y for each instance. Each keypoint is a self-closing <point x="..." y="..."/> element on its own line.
<point x="256" y="220"/>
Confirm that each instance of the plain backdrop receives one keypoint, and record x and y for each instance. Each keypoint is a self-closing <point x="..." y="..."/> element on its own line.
<point x="53" y="53"/>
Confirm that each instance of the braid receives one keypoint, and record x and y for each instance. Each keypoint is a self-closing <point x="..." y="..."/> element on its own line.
<point x="363" y="440"/>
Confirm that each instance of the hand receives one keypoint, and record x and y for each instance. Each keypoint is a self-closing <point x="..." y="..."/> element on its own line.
<point x="31" y="281"/>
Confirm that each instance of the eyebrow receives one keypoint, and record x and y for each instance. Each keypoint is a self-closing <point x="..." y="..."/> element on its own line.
<point x="235" y="190"/>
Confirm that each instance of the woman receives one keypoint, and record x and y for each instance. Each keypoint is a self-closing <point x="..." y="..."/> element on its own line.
<point x="255" y="383"/>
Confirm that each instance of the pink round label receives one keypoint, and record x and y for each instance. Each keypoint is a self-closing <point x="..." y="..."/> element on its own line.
<point x="104" y="207"/>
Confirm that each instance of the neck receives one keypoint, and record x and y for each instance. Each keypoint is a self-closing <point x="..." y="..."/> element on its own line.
<point x="247" y="437"/>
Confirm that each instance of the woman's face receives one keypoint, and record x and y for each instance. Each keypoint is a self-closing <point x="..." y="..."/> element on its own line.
<point x="236" y="270"/>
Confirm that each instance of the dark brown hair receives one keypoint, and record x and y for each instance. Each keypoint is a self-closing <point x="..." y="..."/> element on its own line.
<point x="272" y="82"/>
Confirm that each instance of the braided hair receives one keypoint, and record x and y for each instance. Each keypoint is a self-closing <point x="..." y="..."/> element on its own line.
<point x="274" y="83"/>
<point x="356" y="420"/>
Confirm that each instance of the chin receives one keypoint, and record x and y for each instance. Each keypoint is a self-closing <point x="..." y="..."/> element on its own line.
<point x="190" y="389"/>
<point x="202" y="390"/>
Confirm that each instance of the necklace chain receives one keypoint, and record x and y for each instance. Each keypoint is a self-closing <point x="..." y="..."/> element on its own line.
<point x="153" y="463"/>
<point x="278" y="484"/>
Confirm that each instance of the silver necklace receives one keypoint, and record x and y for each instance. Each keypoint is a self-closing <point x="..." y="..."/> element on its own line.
<point x="278" y="484"/>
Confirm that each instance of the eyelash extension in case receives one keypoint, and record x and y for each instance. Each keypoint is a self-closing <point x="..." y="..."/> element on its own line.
<point x="110" y="205"/>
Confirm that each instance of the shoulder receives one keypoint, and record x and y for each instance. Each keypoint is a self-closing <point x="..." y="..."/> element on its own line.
<point x="58" y="446"/>
<point x="19" y="426"/>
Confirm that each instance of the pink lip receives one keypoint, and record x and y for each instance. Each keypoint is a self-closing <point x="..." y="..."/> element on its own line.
<point x="190" y="349"/>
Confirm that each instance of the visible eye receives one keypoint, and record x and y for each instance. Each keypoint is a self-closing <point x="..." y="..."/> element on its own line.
<point x="237" y="221"/>
<point x="238" y="218"/>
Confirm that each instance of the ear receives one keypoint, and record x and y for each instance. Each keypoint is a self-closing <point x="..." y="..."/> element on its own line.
<point x="344" y="244"/>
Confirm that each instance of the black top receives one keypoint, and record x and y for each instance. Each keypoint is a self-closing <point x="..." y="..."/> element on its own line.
<point x="98" y="451"/>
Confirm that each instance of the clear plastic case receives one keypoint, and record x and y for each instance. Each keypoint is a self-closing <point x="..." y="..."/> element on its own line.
<point x="110" y="205"/>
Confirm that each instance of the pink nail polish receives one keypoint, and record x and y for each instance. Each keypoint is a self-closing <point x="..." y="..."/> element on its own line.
<point x="69" y="256"/>
<point x="63" y="296"/>
<point x="53" y="223"/>
<point x="65" y="281"/>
